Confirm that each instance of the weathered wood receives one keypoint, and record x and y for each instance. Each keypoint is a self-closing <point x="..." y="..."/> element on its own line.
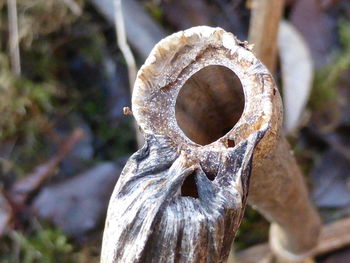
<point x="185" y="79"/>
<point x="333" y="236"/>
<point x="150" y="221"/>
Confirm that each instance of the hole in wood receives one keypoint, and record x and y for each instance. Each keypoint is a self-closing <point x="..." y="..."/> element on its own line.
<point x="209" y="104"/>
<point x="230" y="143"/>
<point x="189" y="186"/>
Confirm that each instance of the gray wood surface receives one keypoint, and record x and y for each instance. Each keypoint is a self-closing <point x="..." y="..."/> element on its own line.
<point x="149" y="220"/>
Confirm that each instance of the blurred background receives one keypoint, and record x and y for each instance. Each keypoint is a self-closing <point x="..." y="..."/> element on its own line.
<point x="64" y="139"/>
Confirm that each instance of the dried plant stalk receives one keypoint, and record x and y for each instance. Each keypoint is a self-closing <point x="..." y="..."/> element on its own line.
<point x="278" y="191"/>
<point x="205" y="104"/>
<point x="263" y="30"/>
<point x="13" y="41"/>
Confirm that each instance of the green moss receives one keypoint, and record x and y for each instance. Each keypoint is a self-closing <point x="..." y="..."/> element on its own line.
<point x="91" y="46"/>
<point x="43" y="245"/>
<point x="155" y="11"/>
<point x="324" y="91"/>
<point x="22" y="102"/>
<point x="39" y="17"/>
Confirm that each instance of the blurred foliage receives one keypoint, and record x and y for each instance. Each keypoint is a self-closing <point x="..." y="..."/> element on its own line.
<point x="30" y="104"/>
<point x="324" y="91"/>
<point x="22" y="102"/>
<point x="155" y="11"/>
<point x="45" y="244"/>
<point x="38" y="17"/>
<point x="27" y="101"/>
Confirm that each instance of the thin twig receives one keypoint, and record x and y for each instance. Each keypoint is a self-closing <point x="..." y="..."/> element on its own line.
<point x="16" y="245"/>
<point x="128" y="56"/>
<point x="13" y="34"/>
<point x="122" y="42"/>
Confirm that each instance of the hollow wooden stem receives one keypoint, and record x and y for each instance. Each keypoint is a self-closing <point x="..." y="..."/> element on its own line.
<point x="205" y="103"/>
